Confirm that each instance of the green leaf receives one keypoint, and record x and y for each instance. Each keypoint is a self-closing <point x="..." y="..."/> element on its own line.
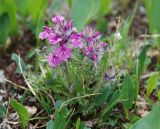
<point x="112" y="102"/>
<point x="2" y="110"/>
<point x="22" y="6"/>
<point x="60" y="119"/>
<point x="141" y="60"/>
<point x="152" y="11"/>
<point x="55" y="6"/>
<point x="37" y="9"/>
<point x="104" y="96"/>
<point x="152" y="82"/>
<point x="135" y="80"/>
<point x="4" y="23"/>
<point x="22" y="112"/>
<point x="78" y="123"/>
<point x="45" y="102"/>
<point x="127" y="92"/>
<point x="70" y="2"/>
<point x="50" y="124"/>
<point x="151" y="121"/>
<point x="127" y="24"/>
<point x="39" y="27"/>
<point x="16" y="58"/>
<point x="158" y="94"/>
<point x="104" y="7"/>
<point x="7" y="14"/>
<point x="83" y="10"/>
<point x="58" y="104"/>
<point x="8" y="6"/>
<point x="133" y="118"/>
<point x="127" y="125"/>
<point x="101" y="24"/>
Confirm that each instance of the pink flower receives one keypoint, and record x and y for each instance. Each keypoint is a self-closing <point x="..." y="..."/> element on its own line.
<point x="43" y="35"/>
<point x="63" y="52"/>
<point x="93" y="47"/>
<point x="68" y="26"/>
<point x="59" y="33"/>
<point x="94" y="57"/>
<point x="60" y="55"/>
<point x="47" y="31"/>
<point x="58" y="19"/>
<point x="76" y="40"/>
<point x="63" y="37"/>
<point x="87" y="51"/>
<point x="53" y="60"/>
<point x="54" y="39"/>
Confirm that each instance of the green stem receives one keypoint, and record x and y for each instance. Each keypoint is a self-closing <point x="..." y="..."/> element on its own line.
<point x="102" y="74"/>
<point x="36" y="118"/>
<point x="127" y="114"/>
<point x="36" y="63"/>
<point x="79" y="97"/>
<point x="136" y="84"/>
<point x="67" y="74"/>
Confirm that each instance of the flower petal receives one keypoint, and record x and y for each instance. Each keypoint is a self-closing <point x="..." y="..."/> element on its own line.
<point x="43" y="35"/>
<point x="53" y="60"/>
<point x="76" y="40"/>
<point x="63" y="52"/>
<point x="54" y="39"/>
<point x="58" y="19"/>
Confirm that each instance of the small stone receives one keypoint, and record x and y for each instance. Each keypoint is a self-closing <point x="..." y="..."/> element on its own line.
<point x="31" y="110"/>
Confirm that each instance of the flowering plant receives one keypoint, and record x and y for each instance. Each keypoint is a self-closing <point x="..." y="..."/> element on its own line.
<point x="75" y="72"/>
<point x="64" y="38"/>
<point x="73" y="80"/>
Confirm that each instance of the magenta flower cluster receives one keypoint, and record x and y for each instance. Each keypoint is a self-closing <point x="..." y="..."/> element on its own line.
<point x="64" y="38"/>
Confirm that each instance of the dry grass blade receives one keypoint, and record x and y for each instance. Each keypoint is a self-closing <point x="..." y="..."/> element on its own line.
<point x="28" y="84"/>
